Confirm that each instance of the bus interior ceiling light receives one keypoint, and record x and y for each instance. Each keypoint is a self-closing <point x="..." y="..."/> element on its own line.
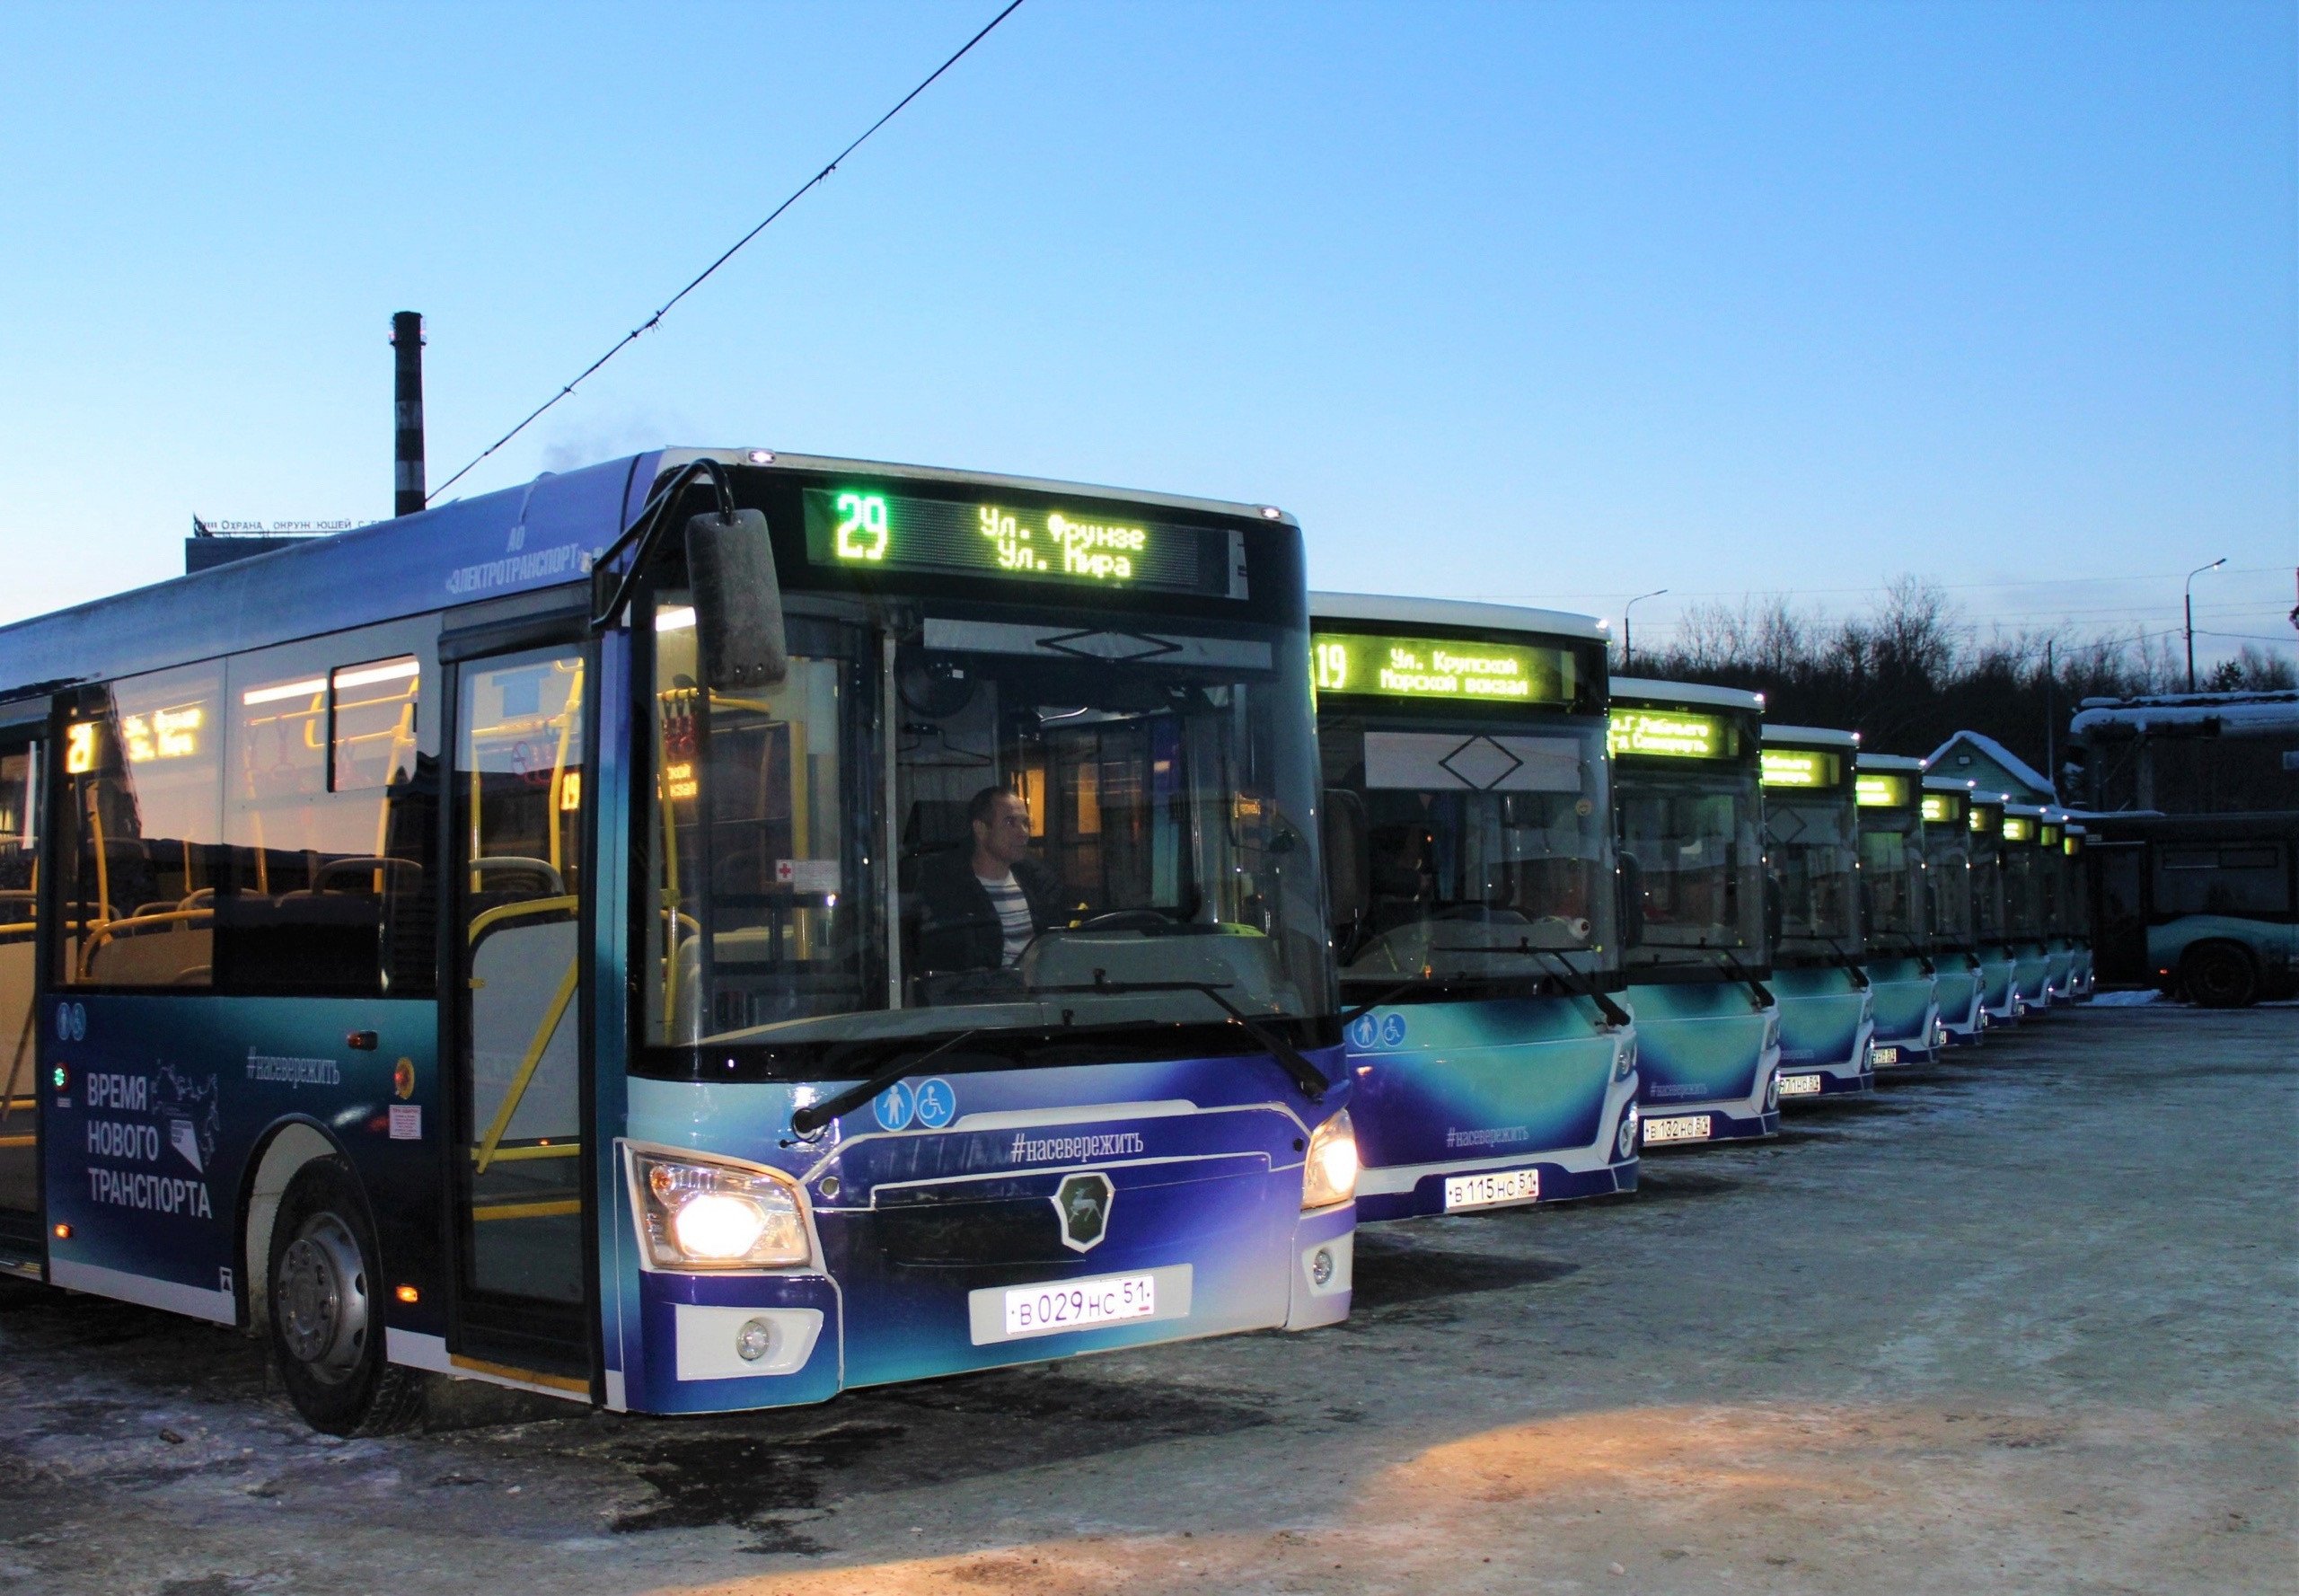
<point x="651" y="323"/>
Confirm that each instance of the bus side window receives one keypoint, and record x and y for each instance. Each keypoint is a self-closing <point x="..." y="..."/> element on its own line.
<point x="331" y="803"/>
<point x="142" y="849"/>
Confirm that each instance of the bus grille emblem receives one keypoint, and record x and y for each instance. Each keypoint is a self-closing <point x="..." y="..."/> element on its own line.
<point x="1083" y="1203"/>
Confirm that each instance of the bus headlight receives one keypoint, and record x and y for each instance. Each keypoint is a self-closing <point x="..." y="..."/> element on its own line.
<point x="1624" y="1060"/>
<point x="718" y="1215"/>
<point x="1329" y="1173"/>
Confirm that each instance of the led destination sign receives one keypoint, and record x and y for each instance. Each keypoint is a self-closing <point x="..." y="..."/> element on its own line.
<point x="1939" y="808"/>
<point x="1874" y="790"/>
<point x="2019" y="828"/>
<point x="1671" y="733"/>
<point x="869" y="529"/>
<point x="1442" y="668"/>
<point x="1800" y="767"/>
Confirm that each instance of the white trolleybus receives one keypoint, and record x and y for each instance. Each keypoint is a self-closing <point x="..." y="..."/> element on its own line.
<point x="693" y="933"/>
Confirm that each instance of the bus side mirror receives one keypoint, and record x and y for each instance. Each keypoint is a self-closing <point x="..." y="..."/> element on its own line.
<point x="1631" y="877"/>
<point x="1347" y="865"/>
<point x="738" y="602"/>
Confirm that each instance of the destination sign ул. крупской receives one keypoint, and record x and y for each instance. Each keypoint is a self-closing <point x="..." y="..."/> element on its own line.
<point x="1441" y="668"/>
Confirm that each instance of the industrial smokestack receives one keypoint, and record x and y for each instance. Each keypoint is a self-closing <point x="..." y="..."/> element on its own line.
<point x="407" y="393"/>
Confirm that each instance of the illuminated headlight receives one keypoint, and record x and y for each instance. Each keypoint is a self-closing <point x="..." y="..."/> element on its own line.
<point x="1624" y="1060"/>
<point x="718" y="1215"/>
<point x="1329" y="1173"/>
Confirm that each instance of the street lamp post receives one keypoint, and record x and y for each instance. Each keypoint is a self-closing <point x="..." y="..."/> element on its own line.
<point x="2192" y="575"/>
<point x="1628" y="654"/>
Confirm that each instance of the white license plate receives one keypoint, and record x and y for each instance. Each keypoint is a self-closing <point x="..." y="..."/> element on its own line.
<point x="1800" y="1086"/>
<point x="1681" y="1127"/>
<point x="1491" y="1188"/>
<point x="1080" y="1304"/>
<point x="1886" y="1055"/>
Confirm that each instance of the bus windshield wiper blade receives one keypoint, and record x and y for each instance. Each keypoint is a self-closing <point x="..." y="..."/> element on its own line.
<point x="806" y="1121"/>
<point x="1739" y="972"/>
<point x="1859" y="976"/>
<point x="1306" y="1075"/>
<point x="1574" y="982"/>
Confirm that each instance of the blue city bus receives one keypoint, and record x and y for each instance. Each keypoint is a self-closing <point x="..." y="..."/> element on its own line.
<point x="2052" y="917"/>
<point x="2076" y="891"/>
<point x="2204" y="907"/>
<point x="690" y="934"/>
<point x="1470" y="866"/>
<point x="2020" y="839"/>
<point x="1895" y="876"/>
<point x="1952" y="931"/>
<point x="1991" y="912"/>
<point x="1689" y="808"/>
<point x="1811" y="828"/>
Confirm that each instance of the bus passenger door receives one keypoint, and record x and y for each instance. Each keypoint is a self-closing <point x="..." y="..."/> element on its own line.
<point x="516" y="1051"/>
<point x="21" y="1242"/>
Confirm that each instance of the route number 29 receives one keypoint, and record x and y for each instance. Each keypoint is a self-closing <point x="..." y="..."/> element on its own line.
<point x="861" y="527"/>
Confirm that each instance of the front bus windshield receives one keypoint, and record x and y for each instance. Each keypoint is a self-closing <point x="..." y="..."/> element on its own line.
<point x="1690" y="841"/>
<point x="1478" y="856"/>
<point x="1948" y="877"/>
<point x="1892" y="865"/>
<point x="1090" y="829"/>
<point x="1815" y="864"/>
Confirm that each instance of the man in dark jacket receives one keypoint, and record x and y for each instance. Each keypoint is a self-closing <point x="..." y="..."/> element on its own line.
<point x="982" y="905"/>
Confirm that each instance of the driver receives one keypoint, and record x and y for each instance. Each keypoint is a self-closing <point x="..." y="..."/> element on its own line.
<point x="982" y="908"/>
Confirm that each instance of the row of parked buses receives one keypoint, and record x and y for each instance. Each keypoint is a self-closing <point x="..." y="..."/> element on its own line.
<point x="710" y="929"/>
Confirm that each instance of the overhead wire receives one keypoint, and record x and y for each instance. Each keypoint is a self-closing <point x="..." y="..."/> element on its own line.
<point x="648" y="325"/>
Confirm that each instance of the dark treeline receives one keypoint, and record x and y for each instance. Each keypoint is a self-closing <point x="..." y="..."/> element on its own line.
<point x="1912" y="673"/>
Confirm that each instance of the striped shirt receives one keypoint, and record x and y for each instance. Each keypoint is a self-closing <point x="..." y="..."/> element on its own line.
<point x="1013" y="906"/>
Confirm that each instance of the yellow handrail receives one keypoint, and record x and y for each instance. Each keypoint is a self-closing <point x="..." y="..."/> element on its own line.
<point x="535" y="1049"/>
<point x="502" y="912"/>
<point x="98" y="935"/>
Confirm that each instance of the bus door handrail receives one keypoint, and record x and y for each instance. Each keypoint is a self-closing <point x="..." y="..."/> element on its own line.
<point x="485" y="1152"/>
<point x="107" y="930"/>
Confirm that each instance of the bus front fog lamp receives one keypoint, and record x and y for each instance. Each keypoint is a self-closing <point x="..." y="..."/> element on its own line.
<point x="718" y="1215"/>
<point x="1329" y="1171"/>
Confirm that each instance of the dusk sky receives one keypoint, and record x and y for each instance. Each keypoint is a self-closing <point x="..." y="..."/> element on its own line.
<point x="1551" y="304"/>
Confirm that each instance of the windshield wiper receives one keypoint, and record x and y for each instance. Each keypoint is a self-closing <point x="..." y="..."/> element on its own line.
<point x="1859" y="976"/>
<point x="1739" y="972"/>
<point x="1574" y="982"/>
<point x="806" y="1121"/>
<point x="1306" y="1075"/>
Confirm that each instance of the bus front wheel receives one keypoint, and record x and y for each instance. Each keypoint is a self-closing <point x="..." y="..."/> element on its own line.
<point x="2219" y="976"/>
<point x="327" y="1312"/>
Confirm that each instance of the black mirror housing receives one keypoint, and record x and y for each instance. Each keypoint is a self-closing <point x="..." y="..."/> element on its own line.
<point x="737" y="601"/>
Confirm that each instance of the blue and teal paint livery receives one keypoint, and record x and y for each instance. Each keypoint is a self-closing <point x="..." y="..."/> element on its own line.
<point x="1904" y="997"/>
<point x="1708" y="1048"/>
<point x="1454" y="1088"/>
<point x="927" y="1204"/>
<point x="1825" y="1020"/>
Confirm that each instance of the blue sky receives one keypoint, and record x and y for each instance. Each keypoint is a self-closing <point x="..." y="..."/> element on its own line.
<point x="1551" y="302"/>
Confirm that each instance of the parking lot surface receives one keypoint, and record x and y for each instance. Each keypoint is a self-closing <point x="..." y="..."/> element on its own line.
<point x="2024" y="1323"/>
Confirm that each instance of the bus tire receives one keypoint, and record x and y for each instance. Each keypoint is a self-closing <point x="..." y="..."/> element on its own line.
<point x="2219" y="976"/>
<point x="325" y="1308"/>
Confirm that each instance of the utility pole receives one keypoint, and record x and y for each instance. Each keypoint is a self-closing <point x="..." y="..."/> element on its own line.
<point x="2192" y="575"/>
<point x="1627" y="653"/>
<point x="406" y="413"/>
<point x="2051" y="723"/>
